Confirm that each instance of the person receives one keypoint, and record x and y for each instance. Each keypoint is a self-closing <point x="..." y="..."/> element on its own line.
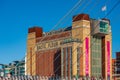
<point x="74" y="78"/>
<point x="1" y="78"/>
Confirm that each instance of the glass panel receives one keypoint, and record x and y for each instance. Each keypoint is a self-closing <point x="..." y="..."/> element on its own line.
<point x="103" y="27"/>
<point x="96" y="56"/>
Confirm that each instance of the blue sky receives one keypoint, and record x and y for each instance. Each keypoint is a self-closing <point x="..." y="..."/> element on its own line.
<point x="16" y="16"/>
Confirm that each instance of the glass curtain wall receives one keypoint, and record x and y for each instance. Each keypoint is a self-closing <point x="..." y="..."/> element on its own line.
<point x="96" y="56"/>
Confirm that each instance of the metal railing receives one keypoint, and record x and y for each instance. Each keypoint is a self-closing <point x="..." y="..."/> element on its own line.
<point x="48" y="78"/>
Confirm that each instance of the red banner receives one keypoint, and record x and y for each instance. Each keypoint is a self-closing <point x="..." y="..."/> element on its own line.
<point x="108" y="58"/>
<point x="87" y="56"/>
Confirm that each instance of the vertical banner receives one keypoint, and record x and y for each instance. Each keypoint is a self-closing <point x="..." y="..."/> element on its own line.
<point x="87" y="56"/>
<point x="108" y="58"/>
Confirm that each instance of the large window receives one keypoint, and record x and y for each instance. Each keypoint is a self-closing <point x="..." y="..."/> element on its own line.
<point x="103" y="27"/>
<point x="78" y="60"/>
<point x="66" y="61"/>
<point x="70" y="61"/>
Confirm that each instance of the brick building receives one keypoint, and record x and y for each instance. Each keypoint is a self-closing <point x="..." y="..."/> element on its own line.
<point x="118" y="65"/>
<point x="83" y="49"/>
<point x="118" y="62"/>
<point x="114" y="69"/>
